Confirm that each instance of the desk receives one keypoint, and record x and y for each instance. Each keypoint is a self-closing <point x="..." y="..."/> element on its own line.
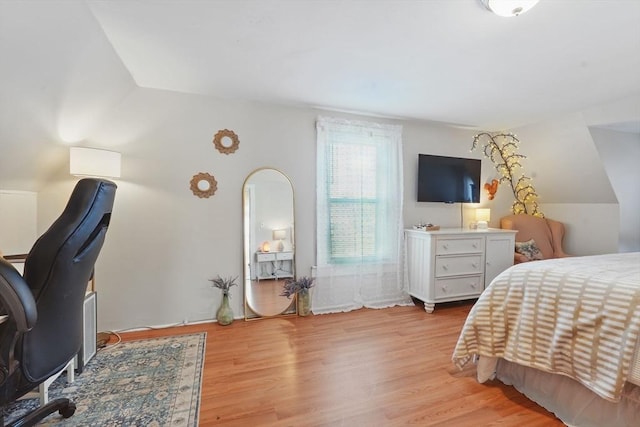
<point x="274" y="265"/>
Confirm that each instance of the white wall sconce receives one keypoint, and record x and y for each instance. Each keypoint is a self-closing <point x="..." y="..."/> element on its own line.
<point x="509" y="8"/>
<point x="483" y="216"/>
<point x="94" y="162"/>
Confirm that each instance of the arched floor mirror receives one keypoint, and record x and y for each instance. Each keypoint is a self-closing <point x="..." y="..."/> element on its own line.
<point x="268" y="242"/>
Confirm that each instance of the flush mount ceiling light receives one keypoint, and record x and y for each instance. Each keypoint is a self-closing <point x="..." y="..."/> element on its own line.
<point x="509" y="7"/>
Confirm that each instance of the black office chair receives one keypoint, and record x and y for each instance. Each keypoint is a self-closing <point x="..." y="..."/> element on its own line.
<point x="43" y="328"/>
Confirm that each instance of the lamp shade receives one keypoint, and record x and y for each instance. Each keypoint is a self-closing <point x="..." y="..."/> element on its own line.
<point x="94" y="162"/>
<point x="483" y="216"/>
<point x="279" y="234"/>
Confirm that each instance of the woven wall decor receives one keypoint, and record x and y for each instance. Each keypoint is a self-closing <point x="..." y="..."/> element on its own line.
<point x="203" y="185"/>
<point x="226" y="141"/>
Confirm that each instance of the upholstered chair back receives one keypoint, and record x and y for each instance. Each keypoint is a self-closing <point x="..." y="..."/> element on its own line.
<point x="546" y="233"/>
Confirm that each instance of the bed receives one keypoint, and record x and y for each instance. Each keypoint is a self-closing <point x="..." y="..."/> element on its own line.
<point x="565" y="333"/>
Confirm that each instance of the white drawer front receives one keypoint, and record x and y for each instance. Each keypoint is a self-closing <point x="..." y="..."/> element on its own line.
<point x="284" y="255"/>
<point x="457" y="265"/>
<point x="459" y="286"/>
<point x="459" y="246"/>
<point x="265" y="257"/>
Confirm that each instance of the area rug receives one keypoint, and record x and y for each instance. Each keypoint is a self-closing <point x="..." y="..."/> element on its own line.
<point x="153" y="382"/>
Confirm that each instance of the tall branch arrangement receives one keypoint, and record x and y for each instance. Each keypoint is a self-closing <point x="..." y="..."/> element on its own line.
<point x="502" y="149"/>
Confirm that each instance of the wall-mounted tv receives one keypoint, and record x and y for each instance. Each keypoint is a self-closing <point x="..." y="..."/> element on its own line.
<point x="448" y="179"/>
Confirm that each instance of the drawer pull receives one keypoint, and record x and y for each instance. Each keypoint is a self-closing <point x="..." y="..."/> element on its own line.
<point x="475" y="245"/>
<point x="445" y="246"/>
<point x="473" y="285"/>
<point x="474" y="264"/>
<point x="445" y="267"/>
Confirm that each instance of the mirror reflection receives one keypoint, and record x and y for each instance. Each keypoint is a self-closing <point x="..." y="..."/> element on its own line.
<point x="203" y="185"/>
<point x="269" y="245"/>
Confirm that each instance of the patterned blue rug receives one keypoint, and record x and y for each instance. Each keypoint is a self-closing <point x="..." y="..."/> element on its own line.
<point x="154" y="382"/>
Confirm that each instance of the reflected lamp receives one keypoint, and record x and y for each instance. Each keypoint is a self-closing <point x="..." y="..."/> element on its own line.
<point x="280" y="235"/>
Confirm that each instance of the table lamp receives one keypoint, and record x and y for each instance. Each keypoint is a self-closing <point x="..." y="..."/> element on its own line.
<point x="94" y="162"/>
<point x="483" y="216"/>
<point x="279" y="235"/>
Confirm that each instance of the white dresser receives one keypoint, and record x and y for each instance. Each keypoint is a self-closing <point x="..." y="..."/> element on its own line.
<point x="455" y="264"/>
<point x="274" y="265"/>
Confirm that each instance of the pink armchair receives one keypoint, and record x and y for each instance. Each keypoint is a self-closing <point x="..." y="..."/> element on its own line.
<point x="546" y="233"/>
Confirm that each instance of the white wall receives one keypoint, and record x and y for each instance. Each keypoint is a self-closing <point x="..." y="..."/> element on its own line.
<point x="438" y="139"/>
<point x="571" y="182"/>
<point x="18" y="221"/>
<point x="620" y="153"/>
<point x="59" y="77"/>
<point x="564" y="162"/>
<point x="590" y="228"/>
<point x="165" y="244"/>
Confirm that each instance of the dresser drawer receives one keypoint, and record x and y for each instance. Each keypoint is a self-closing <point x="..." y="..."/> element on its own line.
<point x="457" y="265"/>
<point x="446" y="246"/>
<point x="458" y="286"/>
<point x="283" y="256"/>
<point x="262" y="257"/>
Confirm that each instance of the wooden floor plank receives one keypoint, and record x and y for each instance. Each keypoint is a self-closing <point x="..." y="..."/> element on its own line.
<point x="389" y="367"/>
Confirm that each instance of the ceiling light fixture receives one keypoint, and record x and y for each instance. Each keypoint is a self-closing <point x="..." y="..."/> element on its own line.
<point x="509" y="7"/>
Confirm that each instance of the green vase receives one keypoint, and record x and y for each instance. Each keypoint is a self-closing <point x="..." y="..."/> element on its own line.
<point x="225" y="313"/>
<point x="303" y="299"/>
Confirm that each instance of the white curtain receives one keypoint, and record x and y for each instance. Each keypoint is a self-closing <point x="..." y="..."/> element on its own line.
<point x="359" y="229"/>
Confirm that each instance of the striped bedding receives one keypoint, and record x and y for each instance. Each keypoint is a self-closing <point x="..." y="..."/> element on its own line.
<point x="577" y="316"/>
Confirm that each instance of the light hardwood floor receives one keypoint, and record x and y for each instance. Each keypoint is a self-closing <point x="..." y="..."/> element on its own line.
<point x="389" y="367"/>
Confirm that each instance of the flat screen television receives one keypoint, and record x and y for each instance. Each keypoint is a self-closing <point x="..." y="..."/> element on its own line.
<point x="448" y="179"/>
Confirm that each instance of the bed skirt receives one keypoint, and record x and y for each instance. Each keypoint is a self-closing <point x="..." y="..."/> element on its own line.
<point x="571" y="402"/>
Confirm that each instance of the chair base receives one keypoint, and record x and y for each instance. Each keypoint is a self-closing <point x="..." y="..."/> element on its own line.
<point x="43" y="388"/>
<point x="64" y="406"/>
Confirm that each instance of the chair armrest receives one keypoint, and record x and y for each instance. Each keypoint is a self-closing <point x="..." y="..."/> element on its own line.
<point x="16" y="297"/>
<point x="519" y="258"/>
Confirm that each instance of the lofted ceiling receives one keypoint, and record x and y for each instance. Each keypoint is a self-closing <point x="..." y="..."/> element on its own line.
<point x="64" y="64"/>
<point x="450" y="61"/>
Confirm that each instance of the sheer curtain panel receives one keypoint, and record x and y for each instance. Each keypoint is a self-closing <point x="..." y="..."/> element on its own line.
<point x="359" y="216"/>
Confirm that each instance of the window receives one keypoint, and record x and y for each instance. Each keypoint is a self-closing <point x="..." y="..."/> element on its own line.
<point x="359" y="216"/>
<point x="359" y="191"/>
